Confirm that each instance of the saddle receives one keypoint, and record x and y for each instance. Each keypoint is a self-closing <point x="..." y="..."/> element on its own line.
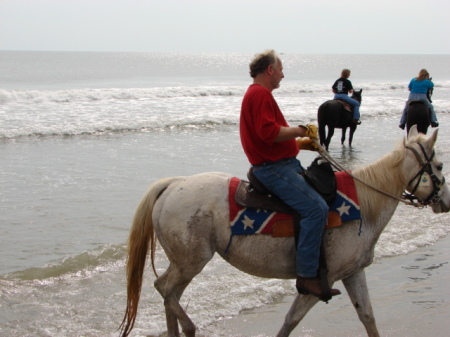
<point x="347" y="106"/>
<point x="320" y="175"/>
<point x="254" y="194"/>
<point x="416" y="102"/>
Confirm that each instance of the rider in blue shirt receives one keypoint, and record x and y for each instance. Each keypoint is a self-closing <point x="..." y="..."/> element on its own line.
<point x="418" y="88"/>
<point x="341" y="88"/>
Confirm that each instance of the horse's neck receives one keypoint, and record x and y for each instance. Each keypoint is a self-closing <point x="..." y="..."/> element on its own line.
<point x="377" y="208"/>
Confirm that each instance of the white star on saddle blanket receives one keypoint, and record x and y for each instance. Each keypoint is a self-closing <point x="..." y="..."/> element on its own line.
<point x="344" y="209"/>
<point x="247" y="222"/>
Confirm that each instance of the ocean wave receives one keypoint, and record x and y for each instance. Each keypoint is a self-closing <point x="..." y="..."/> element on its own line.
<point x="93" y="95"/>
<point x="95" y="260"/>
<point x="92" y="130"/>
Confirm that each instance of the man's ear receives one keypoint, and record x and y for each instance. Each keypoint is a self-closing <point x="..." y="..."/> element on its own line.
<point x="270" y="70"/>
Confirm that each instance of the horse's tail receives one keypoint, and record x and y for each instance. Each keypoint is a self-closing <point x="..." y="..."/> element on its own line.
<point x="141" y="235"/>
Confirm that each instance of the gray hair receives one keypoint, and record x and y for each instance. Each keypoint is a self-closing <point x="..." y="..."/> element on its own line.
<point x="261" y="61"/>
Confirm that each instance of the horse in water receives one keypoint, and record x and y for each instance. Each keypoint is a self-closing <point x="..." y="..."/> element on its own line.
<point x="190" y="218"/>
<point x="418" y="114"/>
<point x="333" y="114"/>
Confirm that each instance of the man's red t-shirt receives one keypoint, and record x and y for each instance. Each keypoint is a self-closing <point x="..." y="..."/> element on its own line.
<point x="260" y="123"/>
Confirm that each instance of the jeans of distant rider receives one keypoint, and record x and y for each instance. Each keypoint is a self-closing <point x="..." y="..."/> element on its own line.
<point x="422" y="97"/>
<point x="284" y="180"/>
<point x="353" y="102"/>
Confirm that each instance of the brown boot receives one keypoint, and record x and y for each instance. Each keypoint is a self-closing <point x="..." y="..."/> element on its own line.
<point x="313" y="286"/>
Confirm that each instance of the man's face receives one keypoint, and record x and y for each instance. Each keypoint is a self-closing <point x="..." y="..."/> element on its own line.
<point x="276" y="74"/>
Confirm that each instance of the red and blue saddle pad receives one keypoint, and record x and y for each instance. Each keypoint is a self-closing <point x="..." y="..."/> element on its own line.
<point x="259" y="221"/>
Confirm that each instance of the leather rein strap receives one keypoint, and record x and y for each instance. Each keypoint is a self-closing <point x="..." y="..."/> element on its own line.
<point x="407" y="198"/>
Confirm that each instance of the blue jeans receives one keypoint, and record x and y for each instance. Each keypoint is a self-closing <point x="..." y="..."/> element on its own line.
<point x="422" y="97"/>
<point x="353" y="102"/>
<point x="284" y="180"/>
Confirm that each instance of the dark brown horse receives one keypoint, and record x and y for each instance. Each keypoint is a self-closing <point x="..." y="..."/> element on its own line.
<point x="333" y="114"/>
<point x="419" y="114"/>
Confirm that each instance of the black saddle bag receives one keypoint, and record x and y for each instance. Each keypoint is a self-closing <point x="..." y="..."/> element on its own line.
<point x="320" y="175"/>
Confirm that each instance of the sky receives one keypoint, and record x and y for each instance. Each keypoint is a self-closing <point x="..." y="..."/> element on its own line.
<point x="227" y="26"/>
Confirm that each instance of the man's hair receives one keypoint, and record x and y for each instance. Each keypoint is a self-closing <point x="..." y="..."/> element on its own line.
<point x="345" y="73"/>
<point x="423" y="75"/>
<point x="261" y="61"/>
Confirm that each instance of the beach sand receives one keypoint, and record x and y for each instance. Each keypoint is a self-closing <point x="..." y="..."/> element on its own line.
<point x="410" y="297"/>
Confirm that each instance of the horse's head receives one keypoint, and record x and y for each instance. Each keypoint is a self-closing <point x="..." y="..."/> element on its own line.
<point x="424" y="171"/>
<point x="357" y="95"/>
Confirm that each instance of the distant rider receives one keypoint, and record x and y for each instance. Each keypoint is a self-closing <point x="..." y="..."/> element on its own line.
<point x="418" y="88"/>
<point x="341" y="88"/>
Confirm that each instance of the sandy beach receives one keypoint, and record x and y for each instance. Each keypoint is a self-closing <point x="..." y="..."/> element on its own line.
<point x="410" y="298"/>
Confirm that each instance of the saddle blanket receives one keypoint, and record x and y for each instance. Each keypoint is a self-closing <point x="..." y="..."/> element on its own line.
<point x="260" y="221"/>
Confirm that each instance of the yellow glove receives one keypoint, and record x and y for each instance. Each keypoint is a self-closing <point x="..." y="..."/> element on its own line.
<point x="311" y="131"/>
<point x="307" y="144"/>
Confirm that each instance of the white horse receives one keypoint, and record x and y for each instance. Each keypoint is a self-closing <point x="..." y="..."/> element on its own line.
<point x="190" y="218"/>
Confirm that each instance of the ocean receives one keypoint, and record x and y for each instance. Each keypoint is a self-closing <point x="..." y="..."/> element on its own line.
<point x="83" y="135"/>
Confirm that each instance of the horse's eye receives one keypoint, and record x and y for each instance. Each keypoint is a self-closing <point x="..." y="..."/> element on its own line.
<point x="440" y="166"/>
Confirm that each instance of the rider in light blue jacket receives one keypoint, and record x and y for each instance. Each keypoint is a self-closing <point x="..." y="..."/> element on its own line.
<point x="418" y="88"/>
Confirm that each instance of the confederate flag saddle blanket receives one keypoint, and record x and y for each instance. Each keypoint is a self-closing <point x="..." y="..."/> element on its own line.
<point x="248" y="215"/>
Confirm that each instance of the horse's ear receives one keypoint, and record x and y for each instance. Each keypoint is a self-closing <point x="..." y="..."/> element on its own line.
<point x="433" y="138"/>
<point x="413" y="132"/>
<point x="360" y="90"/>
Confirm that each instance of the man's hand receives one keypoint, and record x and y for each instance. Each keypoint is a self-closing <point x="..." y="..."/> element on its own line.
<point x="311" y="131"/>
<point x="307" y="144"/>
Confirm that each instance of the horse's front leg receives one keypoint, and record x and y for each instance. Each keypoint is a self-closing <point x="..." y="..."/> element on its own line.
<point x="302" y="304"/>
<point x="344" y="131"/>
<point x="356" y="286"/>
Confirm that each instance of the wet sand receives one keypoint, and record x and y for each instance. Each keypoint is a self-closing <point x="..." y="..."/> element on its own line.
<point x="410" y="297"/>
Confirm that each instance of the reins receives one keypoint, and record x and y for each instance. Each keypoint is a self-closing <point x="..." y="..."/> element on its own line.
<point x="407" y="199"/>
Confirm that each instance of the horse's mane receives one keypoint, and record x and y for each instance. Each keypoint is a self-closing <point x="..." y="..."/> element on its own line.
<point x="386" y="175"/>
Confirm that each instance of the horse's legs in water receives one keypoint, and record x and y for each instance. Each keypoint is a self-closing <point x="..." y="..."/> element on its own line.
<point x="356" y="286"/>
<point x="174" y="281"/>
<point x="302" y="304"/>
<point x="171" y="287"/>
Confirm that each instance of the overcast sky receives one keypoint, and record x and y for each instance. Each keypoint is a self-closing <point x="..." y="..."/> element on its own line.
<point x="243" y="26"/>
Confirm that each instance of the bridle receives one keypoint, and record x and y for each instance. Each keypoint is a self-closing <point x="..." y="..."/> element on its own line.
<point x="426" y="167"/>
<point x="406" y="198"/>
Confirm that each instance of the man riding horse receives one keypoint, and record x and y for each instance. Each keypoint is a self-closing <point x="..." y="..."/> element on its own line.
<point x="271" y="148"/>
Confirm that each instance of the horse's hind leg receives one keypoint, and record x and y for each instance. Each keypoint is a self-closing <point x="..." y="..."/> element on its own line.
<point x="302" y="304"/>
<point x="171" y="286"/>
<point x="350" y="136"/>
<point x="322" y="134"/>
<point x="356" y="286"/>
<point x="328" y="140"/>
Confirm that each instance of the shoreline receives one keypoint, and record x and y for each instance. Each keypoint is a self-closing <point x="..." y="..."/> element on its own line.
<point x="409" y="294"/>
